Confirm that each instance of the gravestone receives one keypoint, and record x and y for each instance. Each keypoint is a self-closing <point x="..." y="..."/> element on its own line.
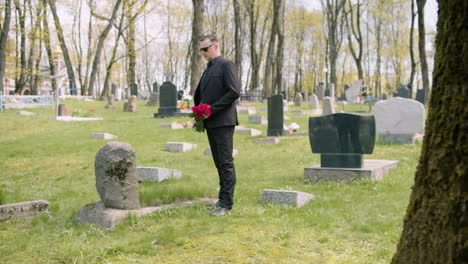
<point x="113" y="89"/>
<point x="331" y="88"/>
<point x="155" y="87"/>
<point x="23" y="209"/>
<point x="342" y="139"/>
<point x="275" y="116"/>
<point x="103" y="136"/>
<point x="167" y="100"/>
<point x="153" y="99"/>
<point x="155" y="174"/>
<point x="352" y="94"/>
<point x="62" y="110"/>
<point x="313" y="101"/>
<point x="320" y="91"/>
<point x="384" y="96"/>
<point x="179" y="146"/>
<point x="110" y="101"/>
<point x="134" y="90"/>
<point x="328" y="107"/>
<point x="298" y="99"/>
<point x="118" y="94"/>
<point x="296" y="198"/>
<point x="132" y="104"/>
<point x="116" y="178"/>
<point x="266" y="140"/>
<point x="398" y="119"/>
<point x="421" y="96"/>
<point x="403" y="91"/>
<point x="257" y="120"/>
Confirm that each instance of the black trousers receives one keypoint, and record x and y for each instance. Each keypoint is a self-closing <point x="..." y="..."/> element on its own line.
<point x="221" y="144"/>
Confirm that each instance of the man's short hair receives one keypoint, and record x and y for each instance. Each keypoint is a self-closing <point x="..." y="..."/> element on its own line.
<point x="213" y="38"/>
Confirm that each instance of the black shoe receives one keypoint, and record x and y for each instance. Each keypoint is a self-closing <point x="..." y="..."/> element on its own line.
<point x="217" y="205"/>
<point x="221" y="211"/>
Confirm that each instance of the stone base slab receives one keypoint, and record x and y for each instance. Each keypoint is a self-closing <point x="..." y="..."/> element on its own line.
<point x="401" y="139"/>
<point x="107" y="218"/>
<point x="372" y="169"/>
<point x="257" y="120"/>
<point x="179" y="146"/>
<point x="172" y="126"/>
<point x="155" y="174"/>
<point x="267" y="140"/>
<point x="74" y="118"/>
<point x="103" y="136"/>
<point x="286" y="197"/>
<point x="251" y="131"/>
<point x="22" y="210"/>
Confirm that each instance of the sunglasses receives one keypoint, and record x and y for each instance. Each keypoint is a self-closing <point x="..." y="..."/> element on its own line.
<point x="205" y="49"/>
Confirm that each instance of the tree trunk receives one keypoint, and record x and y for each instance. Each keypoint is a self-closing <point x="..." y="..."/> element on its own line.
<point x="63" y="46"/>
<point x="21" y="82"/>
<point x="411" y="49"/>
<point x="131" y="53"/>
<point x="33" y="73"/>
<point x="436" y="223"/>
<point x="278" y="85"/>
<point x="237" y="37"/>
<point x="100" y="45"/>
<point x="253" y="45"/>
<point x="422" y="47"/>
<point x="106" y="91"/>
<point x="3" y="41"/>
<point x="354" y="29"/>
<point x="196" y="60"/>
<point x="50" y="55"/>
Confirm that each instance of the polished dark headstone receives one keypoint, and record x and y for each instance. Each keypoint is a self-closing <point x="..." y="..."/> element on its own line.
<point x="403" y="92"/>
<point x="114" y="87"/>
<point x="341" y="139"/>
<point x="421" y="96"/>
<point x="275" y="116"/>
<point x="155" y="87"/>
<point x="134" y="89"/>
<point x="167" y="100"/>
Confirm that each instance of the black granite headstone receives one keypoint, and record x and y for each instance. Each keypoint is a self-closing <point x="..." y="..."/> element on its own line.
<point x="167" y="100"/>
<point x="275" y="116"/>
<point x="180" y="95"/>
<point x="341" y="139"/>
<point x="403" y="92"/>
<point x="134" y="90"/>
<point x="421" y="96"/>
<point x="114" y="87"/>
<point x="155" y="87"/>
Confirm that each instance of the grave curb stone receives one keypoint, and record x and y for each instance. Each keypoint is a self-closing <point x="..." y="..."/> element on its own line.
<point x="103" y="136"/>
<point x="371" y="169"/>
<point x="23" y="210"/>
<point x="156" y="174"/>
<point x="296" y="198"/>
<point x="179" y="146"/>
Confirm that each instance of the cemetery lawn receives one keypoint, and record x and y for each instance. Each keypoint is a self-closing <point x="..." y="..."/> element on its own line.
<point x="349" y="222"/>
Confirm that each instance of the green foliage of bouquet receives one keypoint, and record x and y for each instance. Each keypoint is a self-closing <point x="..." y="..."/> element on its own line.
<point x="200" y="113"/>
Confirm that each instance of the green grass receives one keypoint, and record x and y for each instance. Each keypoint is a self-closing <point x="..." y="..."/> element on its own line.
<point x="349" y="222"/>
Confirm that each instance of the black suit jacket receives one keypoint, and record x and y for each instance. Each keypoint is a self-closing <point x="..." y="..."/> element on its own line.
<point x="220" y="88"/>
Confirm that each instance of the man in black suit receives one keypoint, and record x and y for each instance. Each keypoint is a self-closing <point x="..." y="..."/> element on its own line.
<point x="219" y="87"/>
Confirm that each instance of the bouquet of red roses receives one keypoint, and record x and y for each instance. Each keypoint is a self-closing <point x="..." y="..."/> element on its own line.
<point x="200" y="113"/>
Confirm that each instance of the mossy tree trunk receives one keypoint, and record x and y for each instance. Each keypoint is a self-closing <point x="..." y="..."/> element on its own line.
<point x="436" y="223"/>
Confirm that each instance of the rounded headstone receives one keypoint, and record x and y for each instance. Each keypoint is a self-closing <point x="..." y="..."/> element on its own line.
<point x="298" y="99"/>
<point x="116" y="177"/>
<point x="399" y="116"/>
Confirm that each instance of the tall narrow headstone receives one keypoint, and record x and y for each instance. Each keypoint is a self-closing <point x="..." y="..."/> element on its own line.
<point x="421" y="96"/>
<point x="134" y="89"/>
<point x="155" y="87"/>
<point x="118" y="94"/>
<point x="403" y="92"/>
<point x="167" y="100"/>
<point x="114" y="88"/>
<point x="341" y="139"/>
<point x="116" y="177"/>
<point x="313" y="101"/>
<point x="354" y="91"/>
<point x="275" y="116"/>
<point x="110" y="101"/>
<point x="132" y="103"/>
<point x="320" y="91"/>
<point x="328" y="107"/>
<point x="331" y="88"/>
<point x="298" y="99"/>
